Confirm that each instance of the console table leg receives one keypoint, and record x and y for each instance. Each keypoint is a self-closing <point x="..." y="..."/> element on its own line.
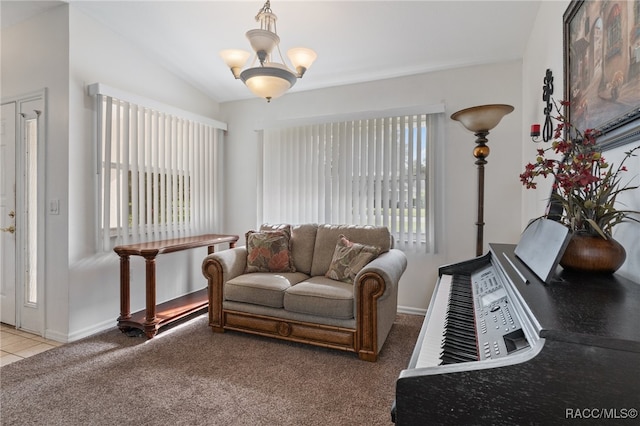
<point x="125" y="310"/>
<point x="150" y="328"/>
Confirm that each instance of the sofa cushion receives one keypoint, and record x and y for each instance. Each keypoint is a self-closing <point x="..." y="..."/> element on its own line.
<point x="269" y="251"/>
<point x="303" y="239"/>
<point x="261" y="288"/>
<point x="349" y="258"/>
<point x="327" y="235"/>
<point x="321" y="296"/>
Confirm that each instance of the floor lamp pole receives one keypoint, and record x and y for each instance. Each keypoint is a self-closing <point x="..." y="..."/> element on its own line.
<point x="480" y="120"/>
<point x="480" y="152"/>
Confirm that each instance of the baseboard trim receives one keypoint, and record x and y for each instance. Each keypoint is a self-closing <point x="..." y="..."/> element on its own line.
<point x="89" y="331"/>
<point x="411" y="311"/>
<point x="105" y="325"/>
<point x="55" y="336"/>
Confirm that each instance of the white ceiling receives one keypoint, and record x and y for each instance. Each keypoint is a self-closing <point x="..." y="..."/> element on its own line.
<point x="356" y="41"/>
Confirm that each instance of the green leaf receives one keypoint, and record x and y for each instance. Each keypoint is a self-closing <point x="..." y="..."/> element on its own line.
<point x="595" y="226"/>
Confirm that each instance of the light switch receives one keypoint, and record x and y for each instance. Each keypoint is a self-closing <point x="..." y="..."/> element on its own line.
<point x="54" y="207"/>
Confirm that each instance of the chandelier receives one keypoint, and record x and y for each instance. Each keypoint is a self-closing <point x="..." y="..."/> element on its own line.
<point x="270" y="78"/>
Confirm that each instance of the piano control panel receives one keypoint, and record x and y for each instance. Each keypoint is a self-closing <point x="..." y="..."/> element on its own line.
<point x="499" y="332"/>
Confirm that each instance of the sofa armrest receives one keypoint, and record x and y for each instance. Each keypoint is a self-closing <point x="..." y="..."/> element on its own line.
<point x="231" y="262"/>
<point x="218" y="268"/>
<point x="376" y="301"/>
<point x="389" y="266"/>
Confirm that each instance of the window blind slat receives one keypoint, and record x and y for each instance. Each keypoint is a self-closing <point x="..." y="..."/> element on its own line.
<point x="348" y="173"/>
<point x="197" y="187"/>
<point x="325" y="175"/>
<point x="115" y="158"/>
<point x="386" y="173"/>
<point x="362" y="190"/>
<point x="333" y="169"/>
<point x="152" y="195"/>
<point x="306" y="186"/>
<point x="316" y="170"/>
<point x="106" y="177"/>
<point x="419" y="175"/>
<point x="288" y="172"/>
<point x="402" y="182"/>
<point x="162" y="177"/>
<point x="145" y="219"/>
<point x="123" y="216"/>
<point x="173" y="167"/>
<point x="371" y="151"/>
<point x="410" y="180"/>
<point x="342" y="172"/>
<point x="192" y="166"/>
<point x="394" y="173"/>
<point x="377" y="200"/>
<point x="135" y="194"/>
<point x="182" y="167"/>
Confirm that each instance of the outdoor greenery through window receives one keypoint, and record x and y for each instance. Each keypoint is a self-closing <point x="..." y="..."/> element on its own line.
<point x="148" y="201"/>
<point x="367" y="172"/>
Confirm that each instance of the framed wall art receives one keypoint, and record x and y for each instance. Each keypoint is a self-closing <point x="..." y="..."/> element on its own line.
<point x="602" y="68"/>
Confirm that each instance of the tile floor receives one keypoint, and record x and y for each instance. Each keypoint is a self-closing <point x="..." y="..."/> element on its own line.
<point x="16" y="344"/>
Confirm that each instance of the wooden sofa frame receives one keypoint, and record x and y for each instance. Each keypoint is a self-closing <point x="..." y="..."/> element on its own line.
<point x="362" y="340"/>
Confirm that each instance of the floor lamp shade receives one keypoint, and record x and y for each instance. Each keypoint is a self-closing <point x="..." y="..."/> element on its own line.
<point x="483" y="117"/>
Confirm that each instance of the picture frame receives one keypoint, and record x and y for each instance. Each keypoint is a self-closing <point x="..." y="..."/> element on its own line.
<point x="602" y="69"/>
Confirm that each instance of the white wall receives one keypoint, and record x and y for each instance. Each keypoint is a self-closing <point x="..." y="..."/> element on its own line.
<point x="34" y="57"/>
<point x="628" y="233"/>
<point x="545" y="50"/>
<point x="457" y="89"/>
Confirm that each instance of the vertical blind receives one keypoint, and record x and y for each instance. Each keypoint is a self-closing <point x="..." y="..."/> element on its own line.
<point x="371" y="171"/>
<point x="160" y="174"/>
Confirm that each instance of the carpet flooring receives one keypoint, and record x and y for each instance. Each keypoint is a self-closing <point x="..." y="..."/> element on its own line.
<point x="189" y="375"/>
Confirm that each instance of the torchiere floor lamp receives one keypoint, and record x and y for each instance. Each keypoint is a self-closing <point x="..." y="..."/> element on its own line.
<point x="479" y="120"/>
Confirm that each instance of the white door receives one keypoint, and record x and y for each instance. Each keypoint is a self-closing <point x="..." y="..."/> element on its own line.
<point x="21" y="199"/>
<point x="7" y="214"/>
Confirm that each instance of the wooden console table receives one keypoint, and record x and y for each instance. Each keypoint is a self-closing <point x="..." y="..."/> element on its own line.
<point x="153" y="317"/>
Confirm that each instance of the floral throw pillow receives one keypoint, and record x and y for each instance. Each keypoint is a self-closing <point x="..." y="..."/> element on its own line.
<point x="349" y="258"/>
<point x="269" y="251"/>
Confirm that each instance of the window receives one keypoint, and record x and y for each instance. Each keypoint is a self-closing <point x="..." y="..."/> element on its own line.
<point x="159" y="173"/>
<point x="368" y="171"/>
<point x="614" y="32"/>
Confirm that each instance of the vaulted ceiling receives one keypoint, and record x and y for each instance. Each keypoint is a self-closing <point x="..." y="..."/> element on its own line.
<point x="356" y="41"/>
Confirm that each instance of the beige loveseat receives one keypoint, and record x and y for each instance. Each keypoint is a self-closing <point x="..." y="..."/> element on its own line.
<point x="295" y="299"/>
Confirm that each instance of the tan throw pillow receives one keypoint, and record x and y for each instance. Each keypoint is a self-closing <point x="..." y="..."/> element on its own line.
<point x="269" y="251"/>
<point x="349" y="258"/>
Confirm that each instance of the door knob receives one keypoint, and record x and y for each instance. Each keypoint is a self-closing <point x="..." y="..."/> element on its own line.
<point x="12" y="214"/>
<point x="10" y="229"/>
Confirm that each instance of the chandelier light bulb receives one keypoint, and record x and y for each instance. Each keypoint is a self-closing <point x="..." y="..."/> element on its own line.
<point x="235" y="60"/>
<point x="301" y="58"/>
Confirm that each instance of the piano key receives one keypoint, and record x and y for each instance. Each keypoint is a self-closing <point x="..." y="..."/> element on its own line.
<point x="450" y="336"/>
<point x="429" y="355"/>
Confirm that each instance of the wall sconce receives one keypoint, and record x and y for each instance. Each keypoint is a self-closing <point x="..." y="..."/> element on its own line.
<point x="480" y="120"/>
<point x="547" y="91"/>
